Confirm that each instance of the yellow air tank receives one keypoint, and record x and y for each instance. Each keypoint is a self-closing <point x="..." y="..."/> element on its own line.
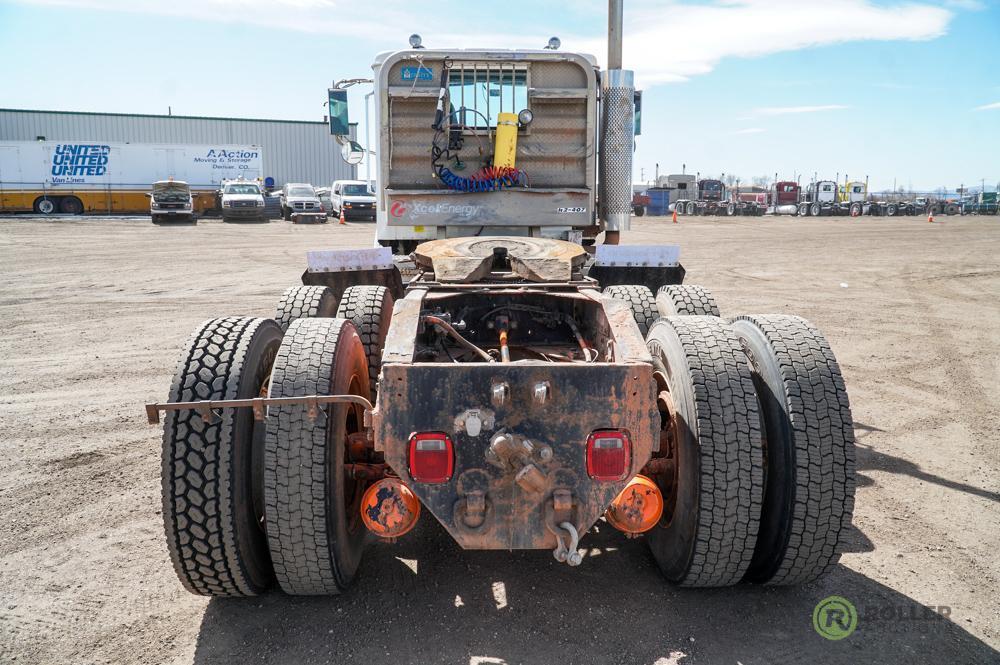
<point x="506" y="141"/>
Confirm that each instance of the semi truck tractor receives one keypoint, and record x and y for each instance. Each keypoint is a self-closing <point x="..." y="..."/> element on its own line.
<point x="983" y="203"/>
<point x="825" y="197"/>
<point x="785" y="198"/>
<point x="52" y="177"/>
<point x="714" y="198"/>
<point x="502" y="378"/>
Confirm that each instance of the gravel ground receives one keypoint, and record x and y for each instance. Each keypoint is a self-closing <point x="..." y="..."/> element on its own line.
<point x="94" y="312"/>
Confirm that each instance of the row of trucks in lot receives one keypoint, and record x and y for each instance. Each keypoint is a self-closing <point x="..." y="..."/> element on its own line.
<point x="689" y="195"/>
<point x="171" y="182"/>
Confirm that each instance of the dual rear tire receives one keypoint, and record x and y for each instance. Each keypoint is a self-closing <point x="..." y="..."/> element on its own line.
<point x="246" y="502"/>
<point x="759" y="446"/>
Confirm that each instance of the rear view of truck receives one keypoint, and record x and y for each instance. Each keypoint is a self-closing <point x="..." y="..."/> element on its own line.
<point x="507" y="382"/>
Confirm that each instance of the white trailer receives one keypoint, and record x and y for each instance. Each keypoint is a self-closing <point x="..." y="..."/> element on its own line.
<point x="76" y="177"/>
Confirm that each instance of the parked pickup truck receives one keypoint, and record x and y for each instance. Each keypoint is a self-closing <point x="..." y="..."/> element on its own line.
<point x="171" y="200"/>
<point x="242" y="200"/>
<point x="299" y="203"/>
<point x="354" y="198"/>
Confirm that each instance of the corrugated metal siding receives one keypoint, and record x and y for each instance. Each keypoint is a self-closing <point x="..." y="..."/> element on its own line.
<point x="293" y="151"/>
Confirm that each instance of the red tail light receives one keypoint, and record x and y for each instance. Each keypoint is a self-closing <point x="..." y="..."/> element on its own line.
<point x="608" y="455"/>
<point x="432" y="457"/>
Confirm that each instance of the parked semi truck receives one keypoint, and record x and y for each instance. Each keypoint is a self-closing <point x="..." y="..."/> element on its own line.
<point x="785" y="198"/>
<point x="714" y="198"/>
<point x="49" y="177"/>
<point x="512" y="387"/>
<point x="983" y="203"/>
<point x="827" y="198"/>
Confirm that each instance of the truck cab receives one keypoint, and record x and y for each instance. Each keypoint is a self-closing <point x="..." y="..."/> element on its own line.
<point x="786" y="197"/>
<point x="711" y="190"/>
<point x="170" y="200"/>
<point x="299" y="203"/>
<point x="823" y="192"/>
<point x="853" y="192"/>
<point x="242" y="199"/>
<point x="508" y="143"/>
<point x="353" y="198"/>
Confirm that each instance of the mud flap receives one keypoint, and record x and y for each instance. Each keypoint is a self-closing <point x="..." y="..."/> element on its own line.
<point x="652" y="266"/>
<point x="343" y="268"/>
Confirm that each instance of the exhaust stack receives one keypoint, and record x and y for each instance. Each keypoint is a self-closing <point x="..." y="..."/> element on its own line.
<point x="617" y="130"/>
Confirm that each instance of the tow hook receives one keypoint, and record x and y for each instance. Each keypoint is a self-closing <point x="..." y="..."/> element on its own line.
<point x="569" y="554"/>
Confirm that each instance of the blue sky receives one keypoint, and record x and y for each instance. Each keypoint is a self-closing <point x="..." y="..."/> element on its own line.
<point x="905" y="90"/>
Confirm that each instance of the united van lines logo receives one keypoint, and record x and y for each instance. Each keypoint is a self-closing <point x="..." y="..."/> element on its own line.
<point x="80" y="160"/>
<point x="398" y="209"/>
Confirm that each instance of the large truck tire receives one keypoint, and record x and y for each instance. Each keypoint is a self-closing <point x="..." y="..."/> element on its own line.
<point x="45" y="205"/>
<point x="685" y="300"/>
<point x="640" y="299"/>
<point x="314" y="525"/>
<point x="71" y="205"/>
<point x="809" y="435"/>
<point x="212" y="503"/>
<point x="305" y="302"/>
<point x="369" y="308"/>
<point x="713" y="483"/>
<point x="951" y="209"/>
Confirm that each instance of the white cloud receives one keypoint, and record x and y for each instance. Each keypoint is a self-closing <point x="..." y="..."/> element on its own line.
<point x="664" y="41"/>
<point x="988" y="107"/>
<point x="749" y="130"/>
<point x="787" y="110"/>
<point x="673" y="42"/>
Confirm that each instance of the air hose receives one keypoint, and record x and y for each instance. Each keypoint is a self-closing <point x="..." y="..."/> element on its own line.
<point x="487" y="179"/>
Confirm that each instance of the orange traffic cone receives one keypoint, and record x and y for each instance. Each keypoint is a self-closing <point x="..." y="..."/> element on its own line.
<point x="675" y="215"/>
<point x="930" y="217"/>
<point x="342" y="220"/>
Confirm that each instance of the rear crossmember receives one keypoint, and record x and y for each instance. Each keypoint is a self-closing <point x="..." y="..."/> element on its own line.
<point x="258" y="405"/>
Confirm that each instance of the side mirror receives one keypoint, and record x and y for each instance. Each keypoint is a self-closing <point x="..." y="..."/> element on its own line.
<point x="339" y="122"/>
<point x="352" y="152"/>
<point x="149" y="194"/>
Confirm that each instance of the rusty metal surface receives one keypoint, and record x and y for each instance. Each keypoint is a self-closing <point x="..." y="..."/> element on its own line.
<point x="401" y="338"/>
<point x="471" y="259"/>
<point x="258" y="404"/>
<point x="496" y="500"/>
<point x="622" y="328"/>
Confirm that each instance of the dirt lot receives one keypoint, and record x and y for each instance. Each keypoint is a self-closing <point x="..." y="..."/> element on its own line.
<point x="95" y="311"/>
